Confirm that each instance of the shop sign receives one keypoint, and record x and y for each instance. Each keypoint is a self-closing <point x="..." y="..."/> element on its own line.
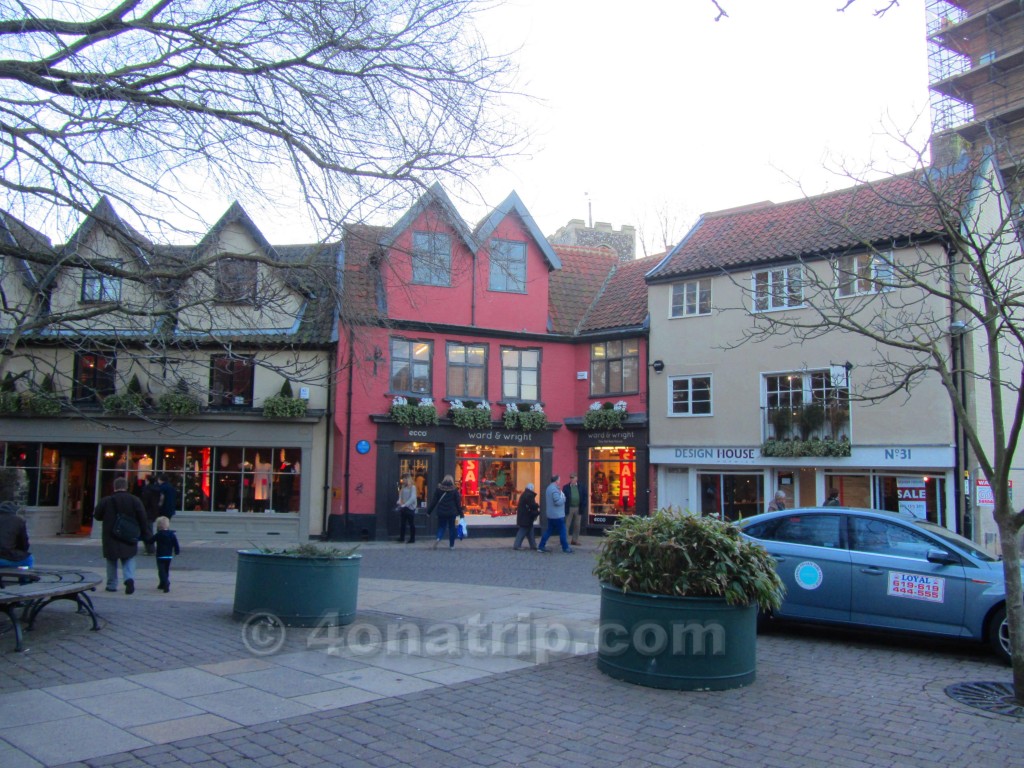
<point x="612" y="438"/>
<point x="985" y="497"/>
<point x="470" y="475"/>
<point x="627" y="457"/>
<point x="717" y="455"/>
<point x="912" y="495"/>
<point x="500" y="437"/>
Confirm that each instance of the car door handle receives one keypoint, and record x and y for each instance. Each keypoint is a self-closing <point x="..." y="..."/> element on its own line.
<point x="779" y="559"/>
<point x="872" y="571"/>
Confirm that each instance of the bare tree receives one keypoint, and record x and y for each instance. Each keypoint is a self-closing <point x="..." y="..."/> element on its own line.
<point x="950" y="311"/>
<point x="119" y="113"/>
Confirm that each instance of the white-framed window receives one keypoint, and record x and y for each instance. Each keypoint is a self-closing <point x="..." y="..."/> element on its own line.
<point x="97" y="286"/>
<point x="807" y="404"/>
<point x="508" y="266"/>
<point x="778" y="288"/>
<point x="431" y="258"/>
<point x="863" y="273"/>
<point x="520" y="374"/>
<point x="691" y="298"/>
<point x="689" y="396"/>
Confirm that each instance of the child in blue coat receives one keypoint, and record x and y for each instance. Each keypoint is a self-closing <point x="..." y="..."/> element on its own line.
<point x="166" y="548"/>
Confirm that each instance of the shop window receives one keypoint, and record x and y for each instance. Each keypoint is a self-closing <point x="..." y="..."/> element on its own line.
<point x="431" y="258"/>
<point x="920" y="496"/>
<point x="508" y="266"/>
<point x="615" y="368"/>
<point x="520" y="375"/>
<point x="467" y="370"/>
<point x="95" y="376"/>
<point x="231" y="381"/>
<point x="236" y="280"/>
<point x="491" y="478"/>
<point x="729" y="496"/>
<point x="410" y="367"/>
<point x="611" y="476"/>
<point x="97" y="286"/>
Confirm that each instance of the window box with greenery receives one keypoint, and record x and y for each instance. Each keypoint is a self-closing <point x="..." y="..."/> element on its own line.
<point x="605" y="415"/>
<point x="130" y="401"/>
<point x="43" y="401"/>
<point x="179" y="402"/>
<point x="530" y="418"/>
<point x="283" y="405"/>
<point x="413" y="411"/>
<point x="10" y="400"/>
<point x="794" y="449"/>
<point x="679" y="601"/>
<point x="470" y="415"/>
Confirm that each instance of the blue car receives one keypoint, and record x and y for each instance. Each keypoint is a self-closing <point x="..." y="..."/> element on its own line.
<point x="884" y="570"/>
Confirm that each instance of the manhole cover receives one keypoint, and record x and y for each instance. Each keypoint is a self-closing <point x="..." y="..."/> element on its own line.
<point x="991" y="697"/>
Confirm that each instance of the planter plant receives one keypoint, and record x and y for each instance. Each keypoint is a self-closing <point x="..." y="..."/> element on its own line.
<point x="605" y="415"/>
<point x="679" y="602"/>
<point x="470" y="415"/>
<point x="179" y="402"/>
<point x="530" y="418"/>
<point x="812" y="416"/>
<point x="283" y="405"/>
<point x="304" y="586"/>
<point x="409" y="411"/>
<point x="43" y="401"/>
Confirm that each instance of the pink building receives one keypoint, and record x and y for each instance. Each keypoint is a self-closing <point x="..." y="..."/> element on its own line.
<point x="492" y="319"/>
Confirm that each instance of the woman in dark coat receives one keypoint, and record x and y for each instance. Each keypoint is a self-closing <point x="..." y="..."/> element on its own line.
<point x="526" y="512"/>
<point x="121" y="503"/>
<point x="447" y="504"/>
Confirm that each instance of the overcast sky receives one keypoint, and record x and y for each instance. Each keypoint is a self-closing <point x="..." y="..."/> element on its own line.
<point x="651" y="108"/>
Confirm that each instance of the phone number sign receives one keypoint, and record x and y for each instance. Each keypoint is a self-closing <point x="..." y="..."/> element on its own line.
<point x="916" y="587"/>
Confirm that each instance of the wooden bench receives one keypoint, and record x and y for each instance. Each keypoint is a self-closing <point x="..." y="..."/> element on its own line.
<point x="32" y="589"/>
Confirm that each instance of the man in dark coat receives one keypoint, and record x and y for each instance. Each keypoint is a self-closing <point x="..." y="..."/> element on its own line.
<point x="526" y="512"/>
<point x="121" y="503"/>
<point x="13" y="537"/>
<point x="575" y="508"/>
<point x="150" y="498"/>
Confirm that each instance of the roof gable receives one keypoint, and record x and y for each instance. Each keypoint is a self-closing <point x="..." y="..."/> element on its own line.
<point x="512" y="204"/>
<point x="435" y="196"/>
<point x="235" y="214"/>
<point x="103" y="218"/>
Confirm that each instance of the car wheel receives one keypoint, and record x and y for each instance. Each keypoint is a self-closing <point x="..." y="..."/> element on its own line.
<point x="999" y="634"/>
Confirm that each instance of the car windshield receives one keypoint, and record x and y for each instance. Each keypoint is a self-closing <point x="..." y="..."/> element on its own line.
<point x="954" y="538"/>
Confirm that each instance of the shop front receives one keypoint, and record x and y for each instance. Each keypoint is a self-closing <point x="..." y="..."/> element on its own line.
<point x="251" y="480"/>
<point x="491" y="469"/>
<point x="613" y="467"/>
<point x="735" y="482"/>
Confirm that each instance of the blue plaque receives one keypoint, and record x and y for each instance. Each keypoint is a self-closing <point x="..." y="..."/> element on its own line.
<point x="363" y="446"/>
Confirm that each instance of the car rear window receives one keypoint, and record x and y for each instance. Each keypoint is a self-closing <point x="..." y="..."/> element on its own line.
<point x="812" y="530"/>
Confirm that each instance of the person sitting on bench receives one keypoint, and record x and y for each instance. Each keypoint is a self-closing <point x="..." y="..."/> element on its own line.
<point x="13" y="537"/>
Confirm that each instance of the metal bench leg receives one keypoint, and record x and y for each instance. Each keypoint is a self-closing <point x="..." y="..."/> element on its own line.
<point x="10" y="610"/>
<point x="85" y="602"/>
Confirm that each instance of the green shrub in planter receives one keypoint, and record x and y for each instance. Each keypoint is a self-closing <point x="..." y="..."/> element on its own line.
<point x="281" y="407"/>
<point x="679" y="602"/>
<point x="43" y="403"/>
<point x="605" y="416"/>
<point x="124" y="402"/>
<point x="178" y="404"/>
<point x="412" y="411"/>
<point x="530" y="418"/>
<point x="10" y="403"/>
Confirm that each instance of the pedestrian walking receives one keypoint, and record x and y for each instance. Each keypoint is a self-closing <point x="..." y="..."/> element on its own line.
<point x="407" y="500"/>
<point x="555" y="502"/>
<point x="166" y="544"/>
<point x="575" y="508"/>
<point x="447" y="504"/>
<point x="833" y="498"/>
<point x="168" y="497"/>
<point x="121" y="504"/>
<point x="526" y="513"/>
<point x="150" y="498"/>
<point x="779" y="502"/>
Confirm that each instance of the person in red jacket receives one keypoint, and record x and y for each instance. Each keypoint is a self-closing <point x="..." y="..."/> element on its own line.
<point x="121" y="504"/>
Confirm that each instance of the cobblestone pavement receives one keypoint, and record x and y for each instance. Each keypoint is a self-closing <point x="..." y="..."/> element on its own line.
<point x="169" y="681"/>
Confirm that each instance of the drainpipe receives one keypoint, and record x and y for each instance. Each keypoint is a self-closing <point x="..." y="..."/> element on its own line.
<point x="328" y="429"/>
<point x="348" y="429"/>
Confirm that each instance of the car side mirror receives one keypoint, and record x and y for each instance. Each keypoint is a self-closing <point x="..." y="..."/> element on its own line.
<point x="942" y="557"/>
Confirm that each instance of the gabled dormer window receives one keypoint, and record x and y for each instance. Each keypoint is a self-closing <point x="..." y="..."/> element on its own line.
<point x="780" y="288"/>
<point x="863" y="273"/>
<point x="431" y="258"/>
<point x="97" y="286"/>
<point x="508" y="266"/>
<point x="236" y="280"/>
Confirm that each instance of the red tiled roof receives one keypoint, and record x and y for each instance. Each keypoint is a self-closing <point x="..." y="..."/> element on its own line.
<point x="623" y="302"/>
<point x="894" y="208"/>
<point x="573" y="289"/>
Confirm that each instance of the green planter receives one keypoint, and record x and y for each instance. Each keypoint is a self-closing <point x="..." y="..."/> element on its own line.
<point x="300" y="591"/>
<point x="681" y="643"/>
